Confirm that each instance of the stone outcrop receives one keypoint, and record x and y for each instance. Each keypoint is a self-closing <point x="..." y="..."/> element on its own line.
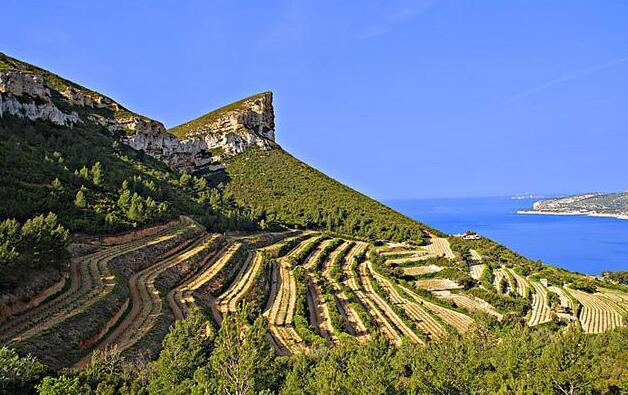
<point x="187" y="155"/>
<point x="203" y="143"/>
<point x="235" y="127"/>
<point x="200" y="145"/>
<point x="26" y="95"/>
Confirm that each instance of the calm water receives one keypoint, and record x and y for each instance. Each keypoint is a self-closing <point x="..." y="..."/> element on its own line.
<point x="584" y="244"/>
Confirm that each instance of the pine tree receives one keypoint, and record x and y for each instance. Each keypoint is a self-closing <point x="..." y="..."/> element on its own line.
<point x="97" y="175"/>
<point x="186" y="348"/>
<point x="136" y="209"/>
<point x="84" y="173"/>
<point x="184" y="180"/>
<point x="242" y="360"/>
<point x="80" y="200"/>
<point x="56" y="184"/>
<point x="124" y="199"/>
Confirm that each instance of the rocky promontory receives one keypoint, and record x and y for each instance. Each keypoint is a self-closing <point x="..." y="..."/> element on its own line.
<point x="591" y="204"/>
<point x="198" y="146"/>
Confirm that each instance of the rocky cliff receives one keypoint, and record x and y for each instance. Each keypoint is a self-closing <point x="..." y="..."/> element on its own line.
<point x="235" y="127"/>
<point x="197" y="146"/>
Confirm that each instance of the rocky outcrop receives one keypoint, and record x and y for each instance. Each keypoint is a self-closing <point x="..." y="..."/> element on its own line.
<point x="234" y="128"/>
<point x="26" y="95"/>
<point x="200" y="145"/>
<point x="188" y="155"/>
<point x="203" y="143"/>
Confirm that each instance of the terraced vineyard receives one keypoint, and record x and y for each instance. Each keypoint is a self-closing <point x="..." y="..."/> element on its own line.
<point x="461" y="322"/>
<point x="597" y="314"/>
<point x="311" y="288"/>
<point x="90" y="279"/>
<point x="521" y="283"/>
<point x="423" y="319"/>
<point x="384" y="306"/>
<point x="476" y="267"/>
<point x="502" y="281"/>
<point x="541" y="312"/>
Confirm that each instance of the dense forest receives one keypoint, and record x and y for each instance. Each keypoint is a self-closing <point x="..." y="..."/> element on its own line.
<point x="237" y="359"/>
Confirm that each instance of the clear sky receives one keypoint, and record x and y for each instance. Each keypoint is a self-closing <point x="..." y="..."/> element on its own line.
<point x="399" y="99"/>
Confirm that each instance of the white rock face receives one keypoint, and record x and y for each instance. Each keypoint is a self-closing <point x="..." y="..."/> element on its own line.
<point x="35" y="101"/>
<point x="248" y="123"/>
<point x="187" y="155"/>
<point x="9" y="104"/>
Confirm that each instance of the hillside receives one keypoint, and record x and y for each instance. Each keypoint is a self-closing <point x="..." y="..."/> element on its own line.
<point x="203" y="259"/>
<point x="593" y="204"/>
<point x="291" y="192"/>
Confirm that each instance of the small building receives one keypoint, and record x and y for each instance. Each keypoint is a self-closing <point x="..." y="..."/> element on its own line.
<point x="468" y="235"/>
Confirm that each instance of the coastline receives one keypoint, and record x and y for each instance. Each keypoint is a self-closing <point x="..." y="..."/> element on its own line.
<point x="573" y="213"/>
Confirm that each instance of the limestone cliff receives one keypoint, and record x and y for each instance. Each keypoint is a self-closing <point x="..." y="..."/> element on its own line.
<point x="235" y="127"/>
<point x="201" y="145"/>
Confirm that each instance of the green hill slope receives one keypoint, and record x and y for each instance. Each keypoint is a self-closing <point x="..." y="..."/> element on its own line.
<point x="291" y="192"/>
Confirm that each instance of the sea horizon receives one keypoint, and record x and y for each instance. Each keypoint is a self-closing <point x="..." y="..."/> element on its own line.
<point x="585" y="244"/>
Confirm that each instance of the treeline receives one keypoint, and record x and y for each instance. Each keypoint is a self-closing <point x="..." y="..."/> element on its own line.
<point x="237" y="359"/>
<point x="38" y="242"/>
<point x="291" y="192"/>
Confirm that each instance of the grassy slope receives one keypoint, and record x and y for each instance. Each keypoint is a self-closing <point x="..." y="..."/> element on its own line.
<point x="297" y="194"/>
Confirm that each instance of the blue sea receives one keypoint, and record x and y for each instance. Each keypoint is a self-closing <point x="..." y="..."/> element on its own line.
<point x="578" y="243"/>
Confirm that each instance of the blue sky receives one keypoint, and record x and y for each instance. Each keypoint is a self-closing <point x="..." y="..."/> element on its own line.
<point x="400" y="99"/>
